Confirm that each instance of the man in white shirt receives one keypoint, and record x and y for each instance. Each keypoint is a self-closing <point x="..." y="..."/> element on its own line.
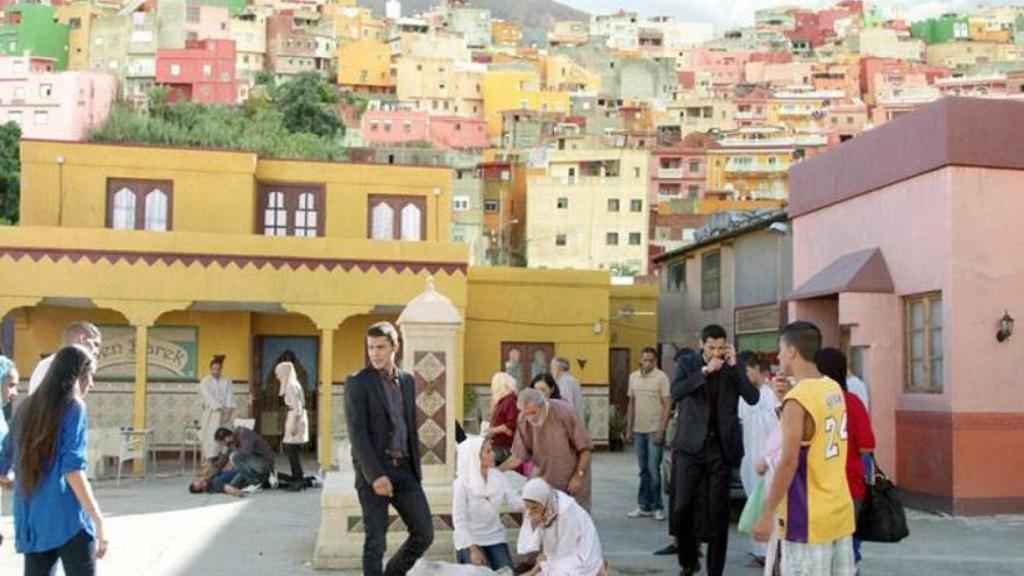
<point x="858" y="388"/>
<point x="569" y="387"/>
<point x="80" y="333"/>
<point x="650" y="403"/>
<point x="218" y="407"/>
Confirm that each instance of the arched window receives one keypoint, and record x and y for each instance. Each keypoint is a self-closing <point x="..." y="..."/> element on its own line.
<point x="411" y="218"/>
<point x="383" y="225"/>
<point x="124" y="210"/>
<point x="156" y="210"/>
<point x="291" y="210"/>
<point x="306" y="215"/>
<point x="275" y="215"/>
<point x="140" y="204"/>
<point x="393" y="217"/>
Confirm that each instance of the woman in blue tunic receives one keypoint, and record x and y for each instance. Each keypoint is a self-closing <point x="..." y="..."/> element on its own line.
<point x="56" y="517"/>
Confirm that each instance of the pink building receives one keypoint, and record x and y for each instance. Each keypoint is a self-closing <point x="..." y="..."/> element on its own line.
<point x="204" y="22"/>
<point x="401" y="125"/>
<point x="833" y="76"/>
<point x="53" y="105"/>
<point x="882" y="78"/>
<point x="845" y="120"/>
<point x="725" y="68"/>
<point x="983" y="85"/>
<point x="203" y="71"/>
<point x="751" y="108"/>
<point x="906" y="253"/>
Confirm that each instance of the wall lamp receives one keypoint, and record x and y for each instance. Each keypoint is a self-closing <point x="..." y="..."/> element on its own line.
<point x="1005" y="327"/>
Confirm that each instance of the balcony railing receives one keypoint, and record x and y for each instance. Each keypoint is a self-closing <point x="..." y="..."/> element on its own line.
<point x="754" y="167"/>
<point x="675" y="173"/>
<point x="576" y="181"/>
<point x="795" y="111"/>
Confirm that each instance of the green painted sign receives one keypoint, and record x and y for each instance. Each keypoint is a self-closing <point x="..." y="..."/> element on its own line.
<point x="171" y="353"/>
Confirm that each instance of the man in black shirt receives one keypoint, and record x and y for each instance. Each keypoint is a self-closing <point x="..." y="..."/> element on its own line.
<point x="381" y="410"/>
<point x="707" y="446"/>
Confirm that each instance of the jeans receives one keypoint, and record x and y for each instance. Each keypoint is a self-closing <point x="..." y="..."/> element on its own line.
<point x="75" y="556"/>
<point x="410" y="502"/>
<point x="648" y="456"/>
<point x="252" y="470"/>
<point x="857" y="506"/>
<point x="497" y="556"/>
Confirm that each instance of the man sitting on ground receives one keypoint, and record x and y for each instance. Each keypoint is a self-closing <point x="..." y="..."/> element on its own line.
<point x="248" y="454"/>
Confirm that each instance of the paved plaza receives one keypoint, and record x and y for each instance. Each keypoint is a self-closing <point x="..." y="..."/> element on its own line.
<point x="157" y="528"/>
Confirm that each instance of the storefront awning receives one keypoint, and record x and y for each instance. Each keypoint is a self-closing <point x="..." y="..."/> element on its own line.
<point x="862" y="271"/>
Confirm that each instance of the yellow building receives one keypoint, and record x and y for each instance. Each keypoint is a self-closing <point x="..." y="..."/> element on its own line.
<point x="355" y="24"/>
<point x="365" y="66"/>
<point x="506" y="34"/>
<point x="517" y="90"/>
<point x="989" y="30"/>
<point x="441" y="86"/>
<point x="186" y="253"/>
<point x="562" y="74"/>
<point x="78" y="18"/>
<point x="752" y="164"/>
<point x="801" y="111"/>
<point x="589" y="211"/>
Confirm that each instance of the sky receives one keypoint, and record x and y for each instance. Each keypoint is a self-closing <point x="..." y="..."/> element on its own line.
<point x="730" y="13"/>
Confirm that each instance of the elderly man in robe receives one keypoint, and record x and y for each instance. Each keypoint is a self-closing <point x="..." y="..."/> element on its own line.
<point x="549" y="434"/>
<point x="218" y="407"/>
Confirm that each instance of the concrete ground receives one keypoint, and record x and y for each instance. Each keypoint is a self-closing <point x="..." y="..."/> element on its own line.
<point x="156" y="528"/>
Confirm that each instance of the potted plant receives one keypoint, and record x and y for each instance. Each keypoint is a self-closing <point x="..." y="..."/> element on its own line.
<point x="616" y="429"/>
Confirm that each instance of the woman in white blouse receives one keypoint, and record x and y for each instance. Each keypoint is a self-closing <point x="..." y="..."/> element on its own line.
<point x="564" y="534"/>
<point x="479" y="492"/>
<point x="296" y="423"/>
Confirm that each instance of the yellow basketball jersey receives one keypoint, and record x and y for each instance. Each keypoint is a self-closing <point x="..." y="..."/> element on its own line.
<point x="818" y="507"/>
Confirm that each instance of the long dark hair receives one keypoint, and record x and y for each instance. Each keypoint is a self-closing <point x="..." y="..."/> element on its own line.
<point x="832" y="363"/>
<point x="40" y="418"/>
<point x="548" y="379"/>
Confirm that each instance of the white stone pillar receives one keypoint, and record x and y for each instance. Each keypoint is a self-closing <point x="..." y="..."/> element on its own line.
<point x="429" y="326"/>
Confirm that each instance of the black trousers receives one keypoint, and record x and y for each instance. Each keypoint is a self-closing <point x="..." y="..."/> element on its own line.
<point x="702" y="506"/>
<point x="411" y="504"/>
<point x="75" y="557"/>
<point x="292" y="451"/>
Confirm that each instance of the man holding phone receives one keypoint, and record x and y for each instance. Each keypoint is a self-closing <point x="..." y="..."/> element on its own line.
<point x="708" y="445"/>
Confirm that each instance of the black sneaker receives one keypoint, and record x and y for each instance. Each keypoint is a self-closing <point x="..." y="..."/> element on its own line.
<point x="667" y="550"/>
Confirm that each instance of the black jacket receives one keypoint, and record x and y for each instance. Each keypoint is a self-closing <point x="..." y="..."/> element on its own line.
<point x="691" y="395"/>
<point x="369" y="423"/>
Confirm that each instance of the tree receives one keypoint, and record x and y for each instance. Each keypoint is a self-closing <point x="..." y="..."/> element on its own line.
<point x="308" y="103"/>
<point x="10" y="172"/>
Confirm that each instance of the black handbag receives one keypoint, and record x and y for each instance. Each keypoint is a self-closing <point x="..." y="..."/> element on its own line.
<point x="882" y="518"/>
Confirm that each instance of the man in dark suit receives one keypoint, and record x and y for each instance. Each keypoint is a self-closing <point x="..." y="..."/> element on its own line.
<point x="707" y="446"/>
<point x="381" y="411"/>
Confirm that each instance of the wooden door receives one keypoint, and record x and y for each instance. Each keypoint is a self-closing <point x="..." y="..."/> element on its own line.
<point x="619" y="368"/>
<point x="524" y="360"/>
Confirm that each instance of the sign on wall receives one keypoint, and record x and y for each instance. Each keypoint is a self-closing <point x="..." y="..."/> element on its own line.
<point x="171" y="353"/>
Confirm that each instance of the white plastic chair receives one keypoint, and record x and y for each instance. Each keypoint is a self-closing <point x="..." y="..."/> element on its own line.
<point x="132" y="447"/>
<point x="103" y="443"/>
<point x="190" y="441"/>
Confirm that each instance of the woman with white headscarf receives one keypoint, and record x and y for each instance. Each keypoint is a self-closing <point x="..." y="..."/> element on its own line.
<point x="562" y="531"/>
<point x="479" y="491"/>
<point x="296" y="423"/>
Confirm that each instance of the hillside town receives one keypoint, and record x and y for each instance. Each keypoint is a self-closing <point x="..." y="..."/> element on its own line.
<point x="223" y="205"/>
<point x="674" y="121"/>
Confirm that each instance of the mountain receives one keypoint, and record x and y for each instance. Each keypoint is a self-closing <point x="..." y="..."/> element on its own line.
<point x="529" y="13"/>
